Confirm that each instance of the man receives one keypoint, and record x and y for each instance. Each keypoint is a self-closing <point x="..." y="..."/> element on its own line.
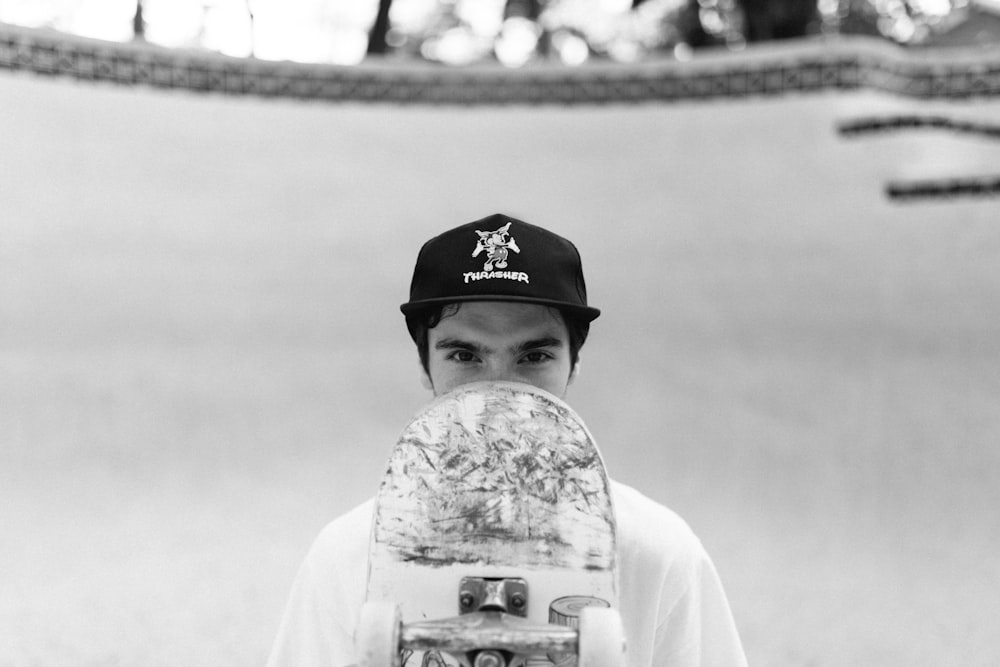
<point x="500" y="299"/>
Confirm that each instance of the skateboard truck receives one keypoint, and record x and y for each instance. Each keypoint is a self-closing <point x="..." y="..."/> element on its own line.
<point x="491" y="638"/>
<point x="486" y="594"/>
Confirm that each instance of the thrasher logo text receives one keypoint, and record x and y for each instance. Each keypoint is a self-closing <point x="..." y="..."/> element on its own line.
<point x="486" y="275"/>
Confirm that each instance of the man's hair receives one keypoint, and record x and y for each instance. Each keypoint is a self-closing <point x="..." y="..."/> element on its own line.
<point x="421" y="322"/>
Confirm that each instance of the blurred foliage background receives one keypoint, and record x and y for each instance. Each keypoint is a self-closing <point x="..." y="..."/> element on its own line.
<point x="514" y="33"/>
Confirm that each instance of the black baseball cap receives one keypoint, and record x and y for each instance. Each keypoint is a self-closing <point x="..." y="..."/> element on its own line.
<point x="500" y="258"/>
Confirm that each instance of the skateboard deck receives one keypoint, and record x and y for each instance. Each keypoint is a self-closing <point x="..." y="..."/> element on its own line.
<point x="494" y="516"/>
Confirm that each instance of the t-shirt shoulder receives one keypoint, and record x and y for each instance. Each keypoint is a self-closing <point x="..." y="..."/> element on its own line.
<point x="646" y="526"/>
<point x="346" y="537"/>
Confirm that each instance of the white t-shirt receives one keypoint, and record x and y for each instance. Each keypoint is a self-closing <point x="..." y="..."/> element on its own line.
<point x="673" y="607"/>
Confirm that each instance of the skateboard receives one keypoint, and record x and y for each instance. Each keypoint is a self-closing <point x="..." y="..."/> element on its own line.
<point x="493" y="539"/>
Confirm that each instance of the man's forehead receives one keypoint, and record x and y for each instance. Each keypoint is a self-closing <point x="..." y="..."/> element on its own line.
<point x="503" y="318"/>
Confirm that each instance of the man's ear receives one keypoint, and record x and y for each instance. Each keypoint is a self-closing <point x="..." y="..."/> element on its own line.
<point x="425" y="379"/>
<point x="573" y="374"/>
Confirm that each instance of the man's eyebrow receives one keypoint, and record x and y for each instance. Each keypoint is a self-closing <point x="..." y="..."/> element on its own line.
<point x="536" y="343"/>
<point x="457" y="344"/>
<point x="531" y="344"/>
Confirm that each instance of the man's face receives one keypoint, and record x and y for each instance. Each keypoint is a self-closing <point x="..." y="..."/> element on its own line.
<point x="500" y="341"/>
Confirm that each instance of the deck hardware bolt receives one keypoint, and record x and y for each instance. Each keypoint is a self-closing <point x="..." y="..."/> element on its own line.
<point x="466" y="599"/>
<point x="517" y="601"/>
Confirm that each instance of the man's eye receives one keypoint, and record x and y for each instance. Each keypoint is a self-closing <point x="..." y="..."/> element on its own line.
<point x="537" y="357"/>
<point x="463" y="355"/>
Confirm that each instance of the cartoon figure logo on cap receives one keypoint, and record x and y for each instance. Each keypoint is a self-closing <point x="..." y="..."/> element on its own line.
<point x="497" y="245"/>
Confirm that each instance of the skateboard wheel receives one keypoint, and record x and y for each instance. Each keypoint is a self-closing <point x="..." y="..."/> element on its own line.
<point x="602" y="638"/>
<point x="376" y="641"/>
<point x="566" y="610"/>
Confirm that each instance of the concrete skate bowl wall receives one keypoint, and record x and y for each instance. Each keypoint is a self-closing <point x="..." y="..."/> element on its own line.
<point x="201" y="359"/>
<point x="843" y="63"/>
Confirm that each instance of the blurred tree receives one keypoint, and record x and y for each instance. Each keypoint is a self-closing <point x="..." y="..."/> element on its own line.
<point x="378" y="42"/>
<point x="767" y="20"/>
<point x="528" y="9"/>
<point x="138" y="23"/>
<point x="690" y="29"/>
<point x="855" y="17"/>
<point x="253" y="32"/>
<point x="647" y="26"/>
<point x="903" y="21"/>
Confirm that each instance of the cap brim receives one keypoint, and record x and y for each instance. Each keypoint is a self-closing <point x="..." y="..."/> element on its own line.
<point x="585" y="313"/>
